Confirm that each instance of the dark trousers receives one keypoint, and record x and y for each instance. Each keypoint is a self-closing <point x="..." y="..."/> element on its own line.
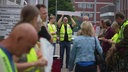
<point x="65" y="45"/>
<point x="54" y="44"/>
<point x="91" y="68"/>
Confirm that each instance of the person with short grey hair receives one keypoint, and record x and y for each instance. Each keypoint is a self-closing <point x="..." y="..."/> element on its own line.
<point x="108" y="35"/>
<point x="20" y="41"/>
<point x="85" y="18"/>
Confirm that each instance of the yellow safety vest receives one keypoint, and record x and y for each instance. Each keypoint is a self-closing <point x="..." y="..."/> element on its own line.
<point x="115" y="37"/>
<point x="32" y="57"/>
<point x="52" y="28"/>
<point x="62" y="32"/>
<point x="6" y="63"/>
<point x="121" y="36"/>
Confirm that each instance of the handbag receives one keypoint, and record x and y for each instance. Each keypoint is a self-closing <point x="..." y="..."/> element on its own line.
<point x="56" y="66"/>
<point x="98" y="56"/>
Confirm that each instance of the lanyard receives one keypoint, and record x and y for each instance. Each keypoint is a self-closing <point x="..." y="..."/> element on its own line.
<point x="9" y="55"/>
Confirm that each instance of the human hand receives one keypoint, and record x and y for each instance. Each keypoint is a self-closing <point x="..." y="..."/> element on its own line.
<point x="53" y="33"/>
<point x="101" y="38"/>
<point x="39" y="53"/>
<point x="62" y="15"/>
<point x="41" y="62"/>
<point x="70" y="16"/>
<point x="110" y="41"/>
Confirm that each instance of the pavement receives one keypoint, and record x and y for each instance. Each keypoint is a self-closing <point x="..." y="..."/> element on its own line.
<point x="57" y="53"/>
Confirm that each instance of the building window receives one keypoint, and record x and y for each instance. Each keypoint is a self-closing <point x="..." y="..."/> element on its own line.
<point x="85" y="5"/>
<point x="81" y="5"/>
<point x="11" y="0"/>
<point x="118" y="5"/>
<point x="90" y="15"/>
<point x="18" y="2"/>
<point x="90" y="6"/>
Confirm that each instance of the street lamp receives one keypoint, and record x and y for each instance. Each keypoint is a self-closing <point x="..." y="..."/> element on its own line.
<point x="84" y="7"/>
<point x="95" y="11"/>
<point x="56" y="10"/>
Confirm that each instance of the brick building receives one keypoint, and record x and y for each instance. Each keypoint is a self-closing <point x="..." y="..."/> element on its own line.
<point x="21" y="2"/>
<point x="122" y="6"/>
<point x="107" y="12"/>
<point x="90" y="8"/>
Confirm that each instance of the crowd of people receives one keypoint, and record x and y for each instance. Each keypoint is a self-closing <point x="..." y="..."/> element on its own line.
<point x="20" y="51"/>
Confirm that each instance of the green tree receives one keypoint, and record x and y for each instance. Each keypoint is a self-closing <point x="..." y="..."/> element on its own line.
<point x="63" y="5"/>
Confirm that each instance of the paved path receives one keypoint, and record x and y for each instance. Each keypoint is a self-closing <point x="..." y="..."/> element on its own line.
<point x="57" y="53"/>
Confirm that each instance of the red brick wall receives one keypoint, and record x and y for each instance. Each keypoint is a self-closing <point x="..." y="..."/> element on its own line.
<point x="92" y="10"/>
<point x="104" y="0"/>
<point x="124" y="7"/>
<point x="84" y="0"/>
<point x="99" y="6"/>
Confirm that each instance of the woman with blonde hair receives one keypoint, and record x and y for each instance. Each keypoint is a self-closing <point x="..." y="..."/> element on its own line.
<point x="82" y="53"/>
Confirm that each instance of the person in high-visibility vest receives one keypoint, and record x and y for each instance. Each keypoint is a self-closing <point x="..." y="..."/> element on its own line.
<point x="31" y="62"/>
<point x="122" y="36"/>
<point x="116" y="28"/>
<point x="122" y="41"/>
<point x="20" y="41"/>
<point x="65" y="37"/>
<point x="52" y="29"/>
<point x="30" y="14"/>
<point x="110" y="53"/>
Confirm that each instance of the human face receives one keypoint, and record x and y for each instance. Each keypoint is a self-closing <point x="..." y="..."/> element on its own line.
<point x="65" y="20"/>
<point x="85" y="18"/>
<point x="104" y="25"/>
<point x="24" y="46"/>
<point x="53" y="19"/>
<point x="119" y="21"/>
<point x="43" y="13"/>
<point x="37" y="23"/>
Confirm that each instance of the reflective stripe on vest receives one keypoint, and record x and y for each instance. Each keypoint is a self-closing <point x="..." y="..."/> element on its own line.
<point x="62" y="32"/>
<point x="6" y="63"/>
<point x="32" y="57"/>
<point x="121" y="36"/>
<point x="52" y="28"/>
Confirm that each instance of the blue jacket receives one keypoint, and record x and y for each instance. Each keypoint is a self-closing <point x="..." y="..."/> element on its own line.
<point x="83" y="50"/>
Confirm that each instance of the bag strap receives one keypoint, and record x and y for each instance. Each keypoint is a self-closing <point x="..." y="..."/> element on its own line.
<point x="95" y="44"/>
<point x="96" y="48"/>
<point x="97" y="52"/>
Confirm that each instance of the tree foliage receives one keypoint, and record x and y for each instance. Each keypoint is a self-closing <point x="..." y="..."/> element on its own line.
<point x="62" y="5"/>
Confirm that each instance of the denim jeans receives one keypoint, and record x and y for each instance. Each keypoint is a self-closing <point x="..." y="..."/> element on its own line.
<point x="54" y="44"/>
<point x="91" y="68"/>
<point x="65" y="45"/>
